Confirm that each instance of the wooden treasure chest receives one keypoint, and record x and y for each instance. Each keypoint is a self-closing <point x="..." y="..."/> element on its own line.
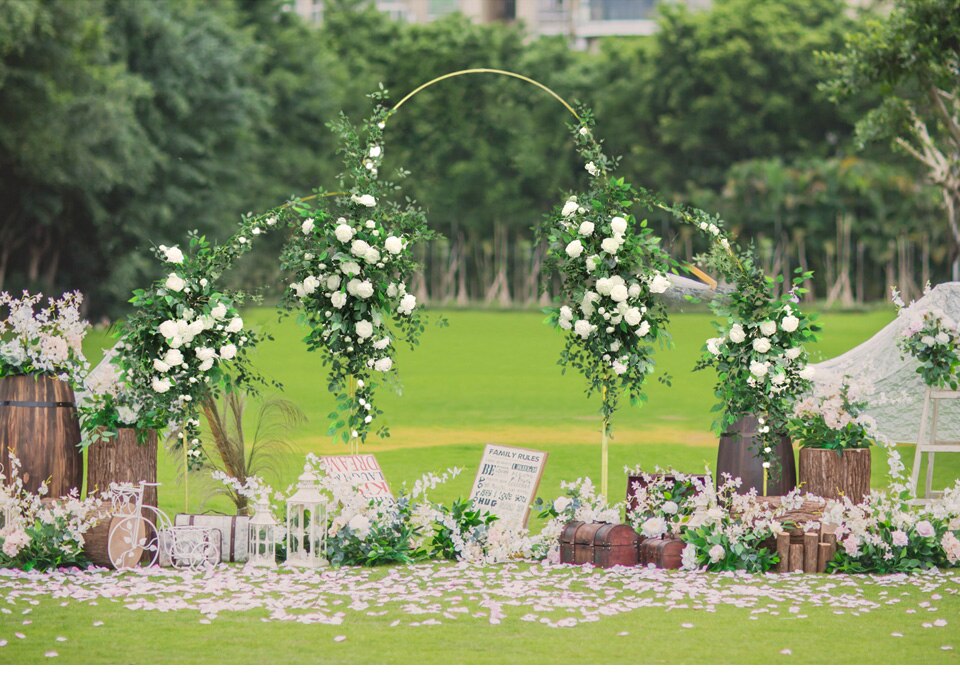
<point x="599" y="544"/>
<point x="662" y="553"/>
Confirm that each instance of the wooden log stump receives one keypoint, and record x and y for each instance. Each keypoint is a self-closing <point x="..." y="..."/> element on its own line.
<point x="783" y="552"/>
<point x="122" y="459"/>
<point x="831" y="475"/>
<point x="796" y="558"/>
<point x="824" y="555"/>
<point x="811" y="544"/>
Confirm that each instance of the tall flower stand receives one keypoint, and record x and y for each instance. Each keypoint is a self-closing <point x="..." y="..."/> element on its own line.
<point x="737" y="456"/>
<point x="929" y="442"/>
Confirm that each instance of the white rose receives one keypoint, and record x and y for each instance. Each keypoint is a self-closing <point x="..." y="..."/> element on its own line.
<point x="160" y="386"/>
<point x="375" y="151"/>
<point x="591" y="168"/>
<point x="736" y="333"/>
<point x="635" y="290"/>
<point x="761" y="345"/>
<point x="343" y="233"/>
<point x="394" y="245"/>
<point x="619" y="367"/>
<point x="310" y="284"/>
<point x="569" y="208"/>
<point x="713" y="345"/>
<point x="604" y="285"/>
<point x="561" y="503"/>
<point x="359" y="248"/>
<point x="793" y="352"/>
<point x="173" y="357"/>
<point x="174" y="254"/>
<point x="364" y="328"/>
<point x="307" y="226"/>
<point x="669" y="507"/>
<point x="566" y="314"/>
<point x="372" y="256"/>
<point x="583" y="328"/>
<point x="611" y="245"/>
<point x="360" y="524"/>
<point x="350" y="268"/>
<point x="928" y="340"/>
<point x="363" y="290"/>
<point x="778" y="379"/>
<point x="168" y="328"/>
<point x="228" y="352"/>
<point x="205" y="353"/>
<point x="407" y="304"/>
<point x="205" y="365"/>
<point x="768" y="327"/>
<point x="338" y="299"/>
<point x="790" y="323"/>
<point x="618" y="293"/>
<point x="219" y="312"/>
<point x="586" y="228"/>
<point x="943" y="338"/>
<point x="643" y="329"/>
<point x="382" y="343"/>
<point x="235" y="325"/>
<point x="633" y="316"/>
<point x="175" y="283"/>
<point x="659" y="284"/>
<point x="619" y="225"/>
<point x="654" y="527"/>
<point x="759" y="369"/>
<point x="383" y="365"/>
<point x="807" y="373"/>
<point x="365" y="200"/>
<point x="392" y="290"/>
<point x="333" y="282"/>
<point x="574" y="248"/>
<point x="160" y="366"/>
<point x="586" y="305"/>
<point x="591" y="263"/>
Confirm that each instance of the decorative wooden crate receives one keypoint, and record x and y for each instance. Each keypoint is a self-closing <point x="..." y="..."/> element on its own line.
<point x="663" y="553"/>
<point x="599" y="544"/>
<point x="234" y="533"/>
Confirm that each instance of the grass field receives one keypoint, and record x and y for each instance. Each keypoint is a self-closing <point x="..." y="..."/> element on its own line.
<point x="492" y="377"/>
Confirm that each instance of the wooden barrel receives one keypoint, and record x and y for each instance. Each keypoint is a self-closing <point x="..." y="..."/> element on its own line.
<point x="737" y="457"/>
<point x="122" y="459"/>
<point x="38" y="422"/>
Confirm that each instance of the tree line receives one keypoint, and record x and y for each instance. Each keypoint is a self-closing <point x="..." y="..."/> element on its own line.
<point x="125" y="123"/>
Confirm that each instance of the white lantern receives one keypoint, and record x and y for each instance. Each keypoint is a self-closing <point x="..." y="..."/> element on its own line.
<point x="307" y="525"/>
<point x="9" y="514"/>
<point x="262" y="538"/>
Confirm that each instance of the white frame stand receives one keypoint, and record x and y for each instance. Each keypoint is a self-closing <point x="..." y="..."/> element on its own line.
<point x="928" y="442"/>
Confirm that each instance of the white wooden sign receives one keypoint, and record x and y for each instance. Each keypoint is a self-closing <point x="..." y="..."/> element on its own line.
<point x="507" y="482"/>
<point x="361" y="470"/>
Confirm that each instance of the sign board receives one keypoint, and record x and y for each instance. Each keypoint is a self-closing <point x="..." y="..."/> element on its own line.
<point x="507" y="482"/>
<point x="360" y="470"/>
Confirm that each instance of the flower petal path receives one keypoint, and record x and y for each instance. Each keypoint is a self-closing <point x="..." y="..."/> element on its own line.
<point x="432" y="594"/>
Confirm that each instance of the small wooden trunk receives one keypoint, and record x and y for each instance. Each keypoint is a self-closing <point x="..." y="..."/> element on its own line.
<point x="567" y="543"/>
<point x="616" y="545"/>
<point x="662" y="553"/>
<point x="583" y="543"/>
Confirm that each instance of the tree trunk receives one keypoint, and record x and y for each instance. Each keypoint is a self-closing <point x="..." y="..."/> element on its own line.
<point x="827" y="474"/>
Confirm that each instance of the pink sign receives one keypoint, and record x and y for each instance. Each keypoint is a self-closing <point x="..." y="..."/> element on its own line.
<point x="360" y="470"/>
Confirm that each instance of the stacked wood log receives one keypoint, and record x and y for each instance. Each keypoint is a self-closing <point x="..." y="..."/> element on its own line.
<point x="809" y="551"/>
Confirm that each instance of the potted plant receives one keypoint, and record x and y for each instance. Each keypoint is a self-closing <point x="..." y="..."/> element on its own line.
<point x="40" y="362"/>
<point x="761" y="364"/>
<point x="834" y="435"/>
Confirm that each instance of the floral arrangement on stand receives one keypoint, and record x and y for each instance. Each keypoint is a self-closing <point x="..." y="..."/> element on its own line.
<point x="832" y="417"/>
<point x="184" y="341"/>
<point x="613" y="272"/>
<point x="45" y="341"/>
<point x="348" y="262"/>
<point x="760" y="353"/>
<point x="886" y="534"/>
<point x="40" y="534"/>
<point x="933" y="339"/>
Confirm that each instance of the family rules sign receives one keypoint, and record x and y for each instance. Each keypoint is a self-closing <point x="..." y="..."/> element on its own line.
<point x="507" y="482"/>
<point x="360" y="470"/>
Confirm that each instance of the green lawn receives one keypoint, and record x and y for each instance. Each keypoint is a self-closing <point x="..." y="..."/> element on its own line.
<point x="492" y="377"/>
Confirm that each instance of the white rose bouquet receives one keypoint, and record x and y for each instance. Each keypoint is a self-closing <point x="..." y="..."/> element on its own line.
<point x="347" y="264"/>
<point x="614" y="274"/>
<point x="760" y="353"/>
<point x="185" y="341"/>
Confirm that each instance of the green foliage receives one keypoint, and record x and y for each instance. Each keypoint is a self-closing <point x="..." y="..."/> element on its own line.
<point x="387" y="538"/>
<point x="461" y="523"/>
